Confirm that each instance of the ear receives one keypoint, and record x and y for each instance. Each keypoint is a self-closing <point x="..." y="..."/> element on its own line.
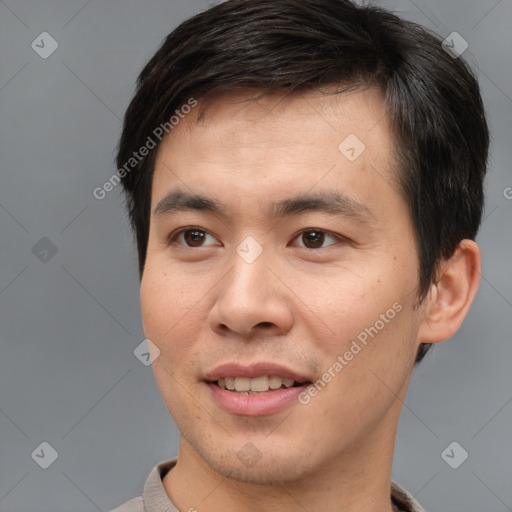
<point x="450" y="297"/>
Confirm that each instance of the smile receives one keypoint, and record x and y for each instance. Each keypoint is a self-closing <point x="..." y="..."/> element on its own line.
<point x="257" y="385"/>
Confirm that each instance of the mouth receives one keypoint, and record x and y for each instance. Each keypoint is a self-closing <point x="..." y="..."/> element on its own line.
<point x="255" y="389"/>
<point x="257" y="385"/>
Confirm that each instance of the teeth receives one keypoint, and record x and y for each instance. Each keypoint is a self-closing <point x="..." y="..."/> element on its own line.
<point x="257" y="384"/>
<point x="275" y="382"/>
<point x="288" y="383"/>
<point x="242" y="384"/>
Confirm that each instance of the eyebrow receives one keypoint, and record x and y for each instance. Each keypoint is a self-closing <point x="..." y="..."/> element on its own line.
<point x="330" y="202"/>
<point x="178" y="201"/>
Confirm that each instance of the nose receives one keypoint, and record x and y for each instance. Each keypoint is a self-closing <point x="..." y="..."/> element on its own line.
<point x="251" y="301"/>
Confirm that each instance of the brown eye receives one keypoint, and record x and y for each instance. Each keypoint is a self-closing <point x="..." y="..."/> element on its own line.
<point x="190" y="237"/>
<point x="194" y="237"/>
<point x="315" y="238"/>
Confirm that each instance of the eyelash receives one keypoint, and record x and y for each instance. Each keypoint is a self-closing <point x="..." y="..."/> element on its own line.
<point x="173" y="237"/>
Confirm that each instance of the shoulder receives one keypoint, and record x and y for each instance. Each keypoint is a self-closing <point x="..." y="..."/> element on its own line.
<point x="154" y="495"/>
<point x="402" y="500"/>
<point x="133" y="505"/>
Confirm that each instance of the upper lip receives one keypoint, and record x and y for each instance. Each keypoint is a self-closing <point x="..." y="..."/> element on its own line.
<point x="253" y="370"/>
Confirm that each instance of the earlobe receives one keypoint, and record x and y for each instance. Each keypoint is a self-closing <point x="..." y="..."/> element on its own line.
<point x="451" y="296"/>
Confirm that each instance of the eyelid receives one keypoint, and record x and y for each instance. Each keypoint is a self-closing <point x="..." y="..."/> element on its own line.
<point x="339" y="238"/>
<point x="172" y="238"/>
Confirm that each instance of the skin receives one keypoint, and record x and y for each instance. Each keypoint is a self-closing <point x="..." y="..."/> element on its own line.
<point x="300" y="303"/>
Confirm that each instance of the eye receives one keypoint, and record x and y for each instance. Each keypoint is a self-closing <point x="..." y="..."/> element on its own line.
<point x="315" y="238"/>
<point x="190" y="237"/>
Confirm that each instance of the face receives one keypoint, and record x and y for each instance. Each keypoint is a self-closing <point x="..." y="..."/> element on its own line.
<point x="281" y="254"/>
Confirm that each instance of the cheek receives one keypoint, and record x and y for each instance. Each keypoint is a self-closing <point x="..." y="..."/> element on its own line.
<point x="169" y="305"/>
<point x="371" y="306"/>
<point x="345" y="302"/>
<point x="170" y="311"/>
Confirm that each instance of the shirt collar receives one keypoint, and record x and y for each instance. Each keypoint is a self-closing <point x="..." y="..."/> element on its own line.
<point x="156" y="499"/>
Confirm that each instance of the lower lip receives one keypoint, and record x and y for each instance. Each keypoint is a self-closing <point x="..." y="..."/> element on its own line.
<point x="255" y="405"/>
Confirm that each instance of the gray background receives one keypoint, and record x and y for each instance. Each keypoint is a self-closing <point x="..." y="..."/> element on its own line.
<point x="71" y="320"/>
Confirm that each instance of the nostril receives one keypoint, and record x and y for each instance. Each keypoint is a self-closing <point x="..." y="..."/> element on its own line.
<point x="265" y="324"/>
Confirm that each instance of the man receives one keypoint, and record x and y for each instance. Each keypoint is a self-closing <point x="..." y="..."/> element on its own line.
<point x="304" y="179"/>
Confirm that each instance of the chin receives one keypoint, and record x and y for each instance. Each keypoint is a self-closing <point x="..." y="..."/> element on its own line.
<point x="248" y="465"/>
<point x="261" y="474"/>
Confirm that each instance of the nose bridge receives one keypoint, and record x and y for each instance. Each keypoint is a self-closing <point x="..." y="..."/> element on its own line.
<point x="249" y="275"/>
<point x="250" y="294"/>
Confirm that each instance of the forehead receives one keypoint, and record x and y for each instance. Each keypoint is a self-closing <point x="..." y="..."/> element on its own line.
<point x="272" y="144"/>
<point x="283" y="118"/>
